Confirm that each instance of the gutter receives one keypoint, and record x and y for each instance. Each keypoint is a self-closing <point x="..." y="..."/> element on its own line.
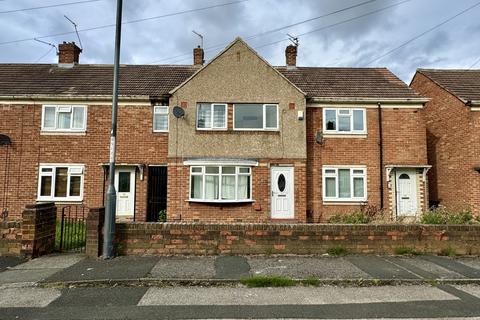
<point x="368" y="100"/>
<point x="380" y="144"/>
<point x="69" y="97"/>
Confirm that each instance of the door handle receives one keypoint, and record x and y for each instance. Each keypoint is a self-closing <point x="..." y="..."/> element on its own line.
<point x="404" y="198"/>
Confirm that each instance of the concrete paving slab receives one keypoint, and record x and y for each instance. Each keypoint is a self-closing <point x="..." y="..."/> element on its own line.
<point x="234" y="267"/>
<point x="425" y="269"/>
<point x="9" y="262"/>
<point x="100" y="297"/>
<point x="27" y="297"/>
<point x="472" y="289"/>
<point x="290" y="296"/>
<point x="14" y="276"/>
<point x="452" y="265"/>
<point x="128" y="267"/>
<point x="304" y="267"/>
<point x="471" y="262"/>
<point x="188" y="267"/>
<point x="379" y="268"/>
<point x="56" y="261"/>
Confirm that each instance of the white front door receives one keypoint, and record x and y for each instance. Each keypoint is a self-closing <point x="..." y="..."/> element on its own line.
<point x="406" y="192"/>
<point x="125" y="186"/>
<point x="282" y="192"/>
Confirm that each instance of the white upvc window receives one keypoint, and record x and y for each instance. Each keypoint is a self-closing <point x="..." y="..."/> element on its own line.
<point x="160" y="119"/>
<point x="64" y="118"/>
<point x="344" y="121"/>
<point x="211" y="116"/>
<point x="220" y="183"/>
<point x="257" y="117"/>
<point x="60" y="182"/>
<point x="344" y="183"/>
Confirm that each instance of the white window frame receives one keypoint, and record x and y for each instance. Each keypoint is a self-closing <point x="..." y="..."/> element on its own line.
<point x="350" y="110"/>
<point x="264" y="122"/>
<point x="166" y="111"/>
<point x="337" y="191"/>
<point x="56" y="128"/>
<point x="219" y="174"/>
<point x="211" y="114"/>
<point x="73" y="170"/>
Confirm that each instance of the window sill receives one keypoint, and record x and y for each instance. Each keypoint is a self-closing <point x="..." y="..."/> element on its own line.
<point x="344" y="202"/>
<point x="345" y="135"/>
<point x="220" y="202"/>
<point x="60" y="201"/>
<point x="165" y="131"/>
<point x="63" y="133"/>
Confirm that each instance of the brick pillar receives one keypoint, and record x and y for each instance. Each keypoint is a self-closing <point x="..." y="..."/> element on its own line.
<point x="198" y="56"/>
<point x="291" y="55"/>
<point x="95" y="221"/>
<point x="38" y="229"/>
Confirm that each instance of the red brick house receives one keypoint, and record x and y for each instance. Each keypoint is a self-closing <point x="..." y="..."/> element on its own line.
<point x="453" y="134"/>
<point x="256" y="143"/>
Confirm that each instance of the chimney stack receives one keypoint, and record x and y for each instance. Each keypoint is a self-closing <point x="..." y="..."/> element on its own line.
<point x="68" y="53"/>
<point x="198" y="55"/>
<point x="291" y="55"/>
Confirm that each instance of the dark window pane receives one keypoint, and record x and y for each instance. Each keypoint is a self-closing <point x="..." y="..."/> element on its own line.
<point x="46" y="186"/>
<point x="124" y="182"/>
<point x="75" y="186"/>
<point x="61" y="176"/>
<point x="248" y="116"/>
<point x="281" y="183"/>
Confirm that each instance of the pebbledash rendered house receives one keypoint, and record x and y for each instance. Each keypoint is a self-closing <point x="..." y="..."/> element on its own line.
<point x="256" y="143"/>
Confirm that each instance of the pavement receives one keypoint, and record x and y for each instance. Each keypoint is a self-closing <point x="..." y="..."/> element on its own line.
<point x="73" y="286"/>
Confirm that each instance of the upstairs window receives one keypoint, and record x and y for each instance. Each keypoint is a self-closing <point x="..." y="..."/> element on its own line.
<point x="64" y="118"/>
<point x="255" y="117"/>
<point x="160" y="119"/>
<point x="211" y="116"/>
<point x="60" y="183"/>
<point x="344" y="184"/>
<point x="344" y="121"/>
<point x="220" y="183"/>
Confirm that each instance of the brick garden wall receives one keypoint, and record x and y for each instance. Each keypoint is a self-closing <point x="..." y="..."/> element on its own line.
<point x="231" y="239"/>
<point x="10" y="238"/>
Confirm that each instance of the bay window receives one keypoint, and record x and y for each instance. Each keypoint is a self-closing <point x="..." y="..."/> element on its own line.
<point x="211" y="116"/>
<point x="344" y="184"/>
<point x="64" y="118"/>
<point x="60" y="182"/>
<point x="220" y="183"/>
<point x="344" y="121"/>
<point x="255" y="117"/>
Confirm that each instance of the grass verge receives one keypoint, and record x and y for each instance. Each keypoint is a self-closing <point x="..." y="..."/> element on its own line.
<point x="267" y="281"/>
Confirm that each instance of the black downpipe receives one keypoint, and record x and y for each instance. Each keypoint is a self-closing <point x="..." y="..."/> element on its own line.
<point x="380" y="144"/>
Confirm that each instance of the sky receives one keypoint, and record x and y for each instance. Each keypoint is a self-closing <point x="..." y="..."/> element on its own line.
<point x="361" y="36"/>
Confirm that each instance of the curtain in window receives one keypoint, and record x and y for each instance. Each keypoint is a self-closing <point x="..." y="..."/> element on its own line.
<point x="75" y="186"/>
<point x="197" y="187"/>
<point x="343" y="123"/>
<point x="49" y="117"/>
<point x="61" y="177"/>
<point x="358" y="120"/>
<point x="344" y="183"/>
<point x="331" y="119"/>
<point x="204" y="116"/>
<point x="330" y="187"/>
<point x="243" y="187"/>
<point x="218" y="116"/>
<point x="358" y="190"/>
<point x="211" y="187"/>
<point x="46" y="186"/>
<point x="64" y="120"/>
<point x="78" y="115"/>
<point x="161" y="121"/>
<point x="228" y="187"/>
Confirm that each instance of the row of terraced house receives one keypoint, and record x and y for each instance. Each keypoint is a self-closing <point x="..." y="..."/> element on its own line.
<point x="253" y="143"/>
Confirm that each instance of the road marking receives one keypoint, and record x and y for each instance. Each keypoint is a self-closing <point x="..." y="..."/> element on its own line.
<point x="27" y="297"/>
<point x="291" y="296"/>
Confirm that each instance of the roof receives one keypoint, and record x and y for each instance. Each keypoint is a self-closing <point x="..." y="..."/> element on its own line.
<point x="464" y="84"/>
<point x="157" y="80"/>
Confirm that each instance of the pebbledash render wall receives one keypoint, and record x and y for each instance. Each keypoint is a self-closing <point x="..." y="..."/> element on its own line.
<point x="453" y="146"/>
<point x="136" y="144"/>
<point x="404" y="144"/>
<point x="237" y="75"/>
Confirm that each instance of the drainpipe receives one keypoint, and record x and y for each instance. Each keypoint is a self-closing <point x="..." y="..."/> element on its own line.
<point x="380" y="144"/>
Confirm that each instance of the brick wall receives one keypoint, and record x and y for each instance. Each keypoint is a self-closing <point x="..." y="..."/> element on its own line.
<point x="453" y="147"/>
<point x="404" y="143"/>
<point x="10" y="238"/>
<point x="38" y="229"/>
<point x="210" y="239"/>
<point x="30" y="148"/>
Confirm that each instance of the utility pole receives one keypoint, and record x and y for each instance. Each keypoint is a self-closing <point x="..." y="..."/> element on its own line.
<point x="110" y="208"/>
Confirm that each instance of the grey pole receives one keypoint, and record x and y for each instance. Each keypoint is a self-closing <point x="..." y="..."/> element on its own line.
<point x="110" y="207"/>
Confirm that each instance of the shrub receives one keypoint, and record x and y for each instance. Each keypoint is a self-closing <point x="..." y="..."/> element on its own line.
<point x="444" y="216"/>
<point x="448" y="252"/>
<point x="267" y="281"/>
<point x="405" y="251"/>
<point x="162" y="216"/>
<point x="338" y="250"/>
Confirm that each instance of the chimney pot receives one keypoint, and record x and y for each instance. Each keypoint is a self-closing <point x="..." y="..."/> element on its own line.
<point x="198" y="56"/>
<point x="291" y="55"/>
<point x="68" y="53"/>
